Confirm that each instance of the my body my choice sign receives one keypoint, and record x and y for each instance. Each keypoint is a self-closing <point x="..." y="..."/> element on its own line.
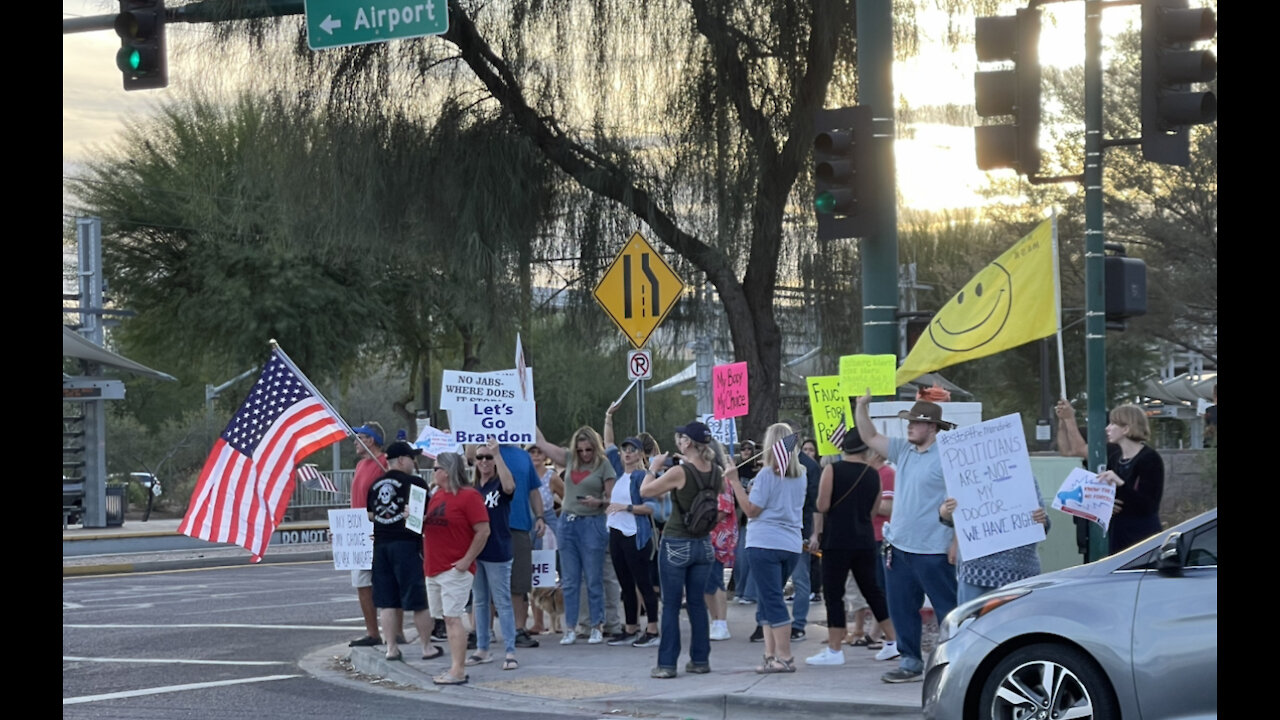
<point x="988" y="472"/>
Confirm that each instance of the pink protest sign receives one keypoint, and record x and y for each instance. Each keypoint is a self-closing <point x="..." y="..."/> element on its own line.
<point x="729" y="390"/>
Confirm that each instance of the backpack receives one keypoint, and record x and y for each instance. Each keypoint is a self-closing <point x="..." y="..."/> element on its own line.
<point x="704" y="512"/>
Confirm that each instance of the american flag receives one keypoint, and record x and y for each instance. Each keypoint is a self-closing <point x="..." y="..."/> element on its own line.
<point x="837" y="436"/>
<point x="782" y="451"/>
<point x="313" y="479"/>
<point x="247" y="480"/>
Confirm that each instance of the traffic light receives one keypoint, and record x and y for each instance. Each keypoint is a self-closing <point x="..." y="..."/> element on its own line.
<point x="1169" y="66"/>
<point x="846" y="173"/>
<point x="1124" y="287"/>
<point x="1013" y="92"/>
<point x="141" y="58"/>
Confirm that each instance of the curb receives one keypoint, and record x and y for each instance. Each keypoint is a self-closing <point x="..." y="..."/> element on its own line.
<point x="688" y="707"/>
<point x="192" y="563"/>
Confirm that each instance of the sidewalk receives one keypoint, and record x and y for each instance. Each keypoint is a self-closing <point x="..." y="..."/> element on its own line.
<point x="615" y="680"/>
<point x="577" y="678"/>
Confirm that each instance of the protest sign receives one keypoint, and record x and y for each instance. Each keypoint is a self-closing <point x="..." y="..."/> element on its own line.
<point x="829" y="406"/>
<point x="726" y="430"/>
<point x="729" y="390"/>
<point x="859" y="372"/>
<point x="417" y="505"/>
<point x="433" y="442"/>
<point x="988" y="472"/>
<point x="1083" y="495"/>
<point x="481" y="405"/>
<point x="351" y="533"/>
<point x="544" y="568"/>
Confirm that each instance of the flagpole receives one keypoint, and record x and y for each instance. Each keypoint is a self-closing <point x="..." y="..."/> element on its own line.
<point x="1057" y="297"/>
<point x="284" y="357"/>
<point x="624" y="392"/>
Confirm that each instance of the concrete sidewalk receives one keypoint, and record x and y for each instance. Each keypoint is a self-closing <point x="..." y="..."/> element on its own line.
<point x="579" y="678"/>
<point x="615" y="680"/>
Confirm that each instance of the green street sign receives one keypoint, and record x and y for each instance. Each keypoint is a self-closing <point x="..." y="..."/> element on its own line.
<point x="339" y="23"/>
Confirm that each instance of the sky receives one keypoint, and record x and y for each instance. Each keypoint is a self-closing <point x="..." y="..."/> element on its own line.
<point x="936" y="169"/>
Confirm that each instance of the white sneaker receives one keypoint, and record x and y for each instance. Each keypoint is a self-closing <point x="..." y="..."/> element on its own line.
<point x="888" y="652"/>
<point x="720" y="630"/>
<point x="826" y="657"/>
<point x="596" y="637"/>
<point x="570" y="637"/>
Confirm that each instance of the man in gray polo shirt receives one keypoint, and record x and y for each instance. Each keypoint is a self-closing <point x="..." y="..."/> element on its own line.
<point x="916" y="544"/>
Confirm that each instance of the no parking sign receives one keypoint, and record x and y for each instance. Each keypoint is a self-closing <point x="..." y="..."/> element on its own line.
<point x="639" y="365"/>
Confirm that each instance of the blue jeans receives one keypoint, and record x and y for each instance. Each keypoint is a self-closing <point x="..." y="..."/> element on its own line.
<point x="966" y="591"/>
<point x="583" y="544"/>
<point x="802" y="585"/>
<point x="683" y="566"/>
<point x="910" y="577"/>
<point x="772" y="568"/>
<point x="742" y="587"/>
<point x="493" y="584"/>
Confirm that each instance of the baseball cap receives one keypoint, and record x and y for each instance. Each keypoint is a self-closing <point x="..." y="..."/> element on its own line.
<point x="402" y="449"/>
<point x="696" y="431"/>
<point x="369" y="430"/>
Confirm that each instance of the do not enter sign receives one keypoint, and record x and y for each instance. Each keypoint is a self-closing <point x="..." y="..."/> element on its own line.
<point x="639" y="365"/>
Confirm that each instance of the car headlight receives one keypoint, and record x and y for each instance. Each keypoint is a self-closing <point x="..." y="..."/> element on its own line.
<point x="964" y="615"/>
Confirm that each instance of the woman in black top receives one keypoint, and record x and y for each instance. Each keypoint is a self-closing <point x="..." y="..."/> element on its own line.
<point x="848" y="497"/>
<point x="1133" y="467"/>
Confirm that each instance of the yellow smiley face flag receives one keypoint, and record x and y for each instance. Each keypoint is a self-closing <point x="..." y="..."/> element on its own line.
<point x="1012" y="301"/>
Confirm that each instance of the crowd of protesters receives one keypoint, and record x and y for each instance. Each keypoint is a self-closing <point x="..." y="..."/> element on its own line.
<point x="641" y="534"/>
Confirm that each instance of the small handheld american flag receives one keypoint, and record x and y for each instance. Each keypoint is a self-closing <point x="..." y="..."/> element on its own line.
<point x="782" y="451"/>
<point x="313" y="479"/>
<point x="837" y="436"/>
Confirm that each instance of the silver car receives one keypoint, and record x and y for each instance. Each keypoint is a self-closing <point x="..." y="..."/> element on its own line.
<point x="1133" y="636"/>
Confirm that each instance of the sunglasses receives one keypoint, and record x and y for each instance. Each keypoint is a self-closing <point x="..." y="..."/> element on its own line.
<point x="484" y="457"/>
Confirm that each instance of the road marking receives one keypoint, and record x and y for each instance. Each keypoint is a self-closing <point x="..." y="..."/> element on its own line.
<point x="270" y="607"/>
<point x="167" y="661"/>
<point x="122" y="626"/>
<point x="170" y="689"/>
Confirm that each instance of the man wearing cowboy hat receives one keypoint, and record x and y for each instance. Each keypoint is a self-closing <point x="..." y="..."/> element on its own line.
<point x="916" y="543"/>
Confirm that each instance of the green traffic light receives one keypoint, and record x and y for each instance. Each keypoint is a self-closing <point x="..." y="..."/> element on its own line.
<point x="129" y="59"/>
<point x="825" y="203"/>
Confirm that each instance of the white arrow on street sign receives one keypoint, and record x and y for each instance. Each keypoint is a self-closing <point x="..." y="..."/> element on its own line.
<point x="329" y="24"/>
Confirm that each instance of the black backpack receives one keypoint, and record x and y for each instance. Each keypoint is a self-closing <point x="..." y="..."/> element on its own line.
<point x="704" y="512"/>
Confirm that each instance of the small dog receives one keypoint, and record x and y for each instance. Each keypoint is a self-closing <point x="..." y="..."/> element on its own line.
<point x="551" y="601"/>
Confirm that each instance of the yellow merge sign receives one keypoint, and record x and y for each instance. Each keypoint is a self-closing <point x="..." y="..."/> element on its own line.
<point x="638" y="290"/>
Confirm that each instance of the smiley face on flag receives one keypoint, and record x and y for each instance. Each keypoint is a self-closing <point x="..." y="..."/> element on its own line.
<point x="977" y="314"/>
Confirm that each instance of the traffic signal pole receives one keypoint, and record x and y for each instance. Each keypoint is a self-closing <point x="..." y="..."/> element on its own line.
<point x="879" y="249"/>
<point x="1095" y="329"/>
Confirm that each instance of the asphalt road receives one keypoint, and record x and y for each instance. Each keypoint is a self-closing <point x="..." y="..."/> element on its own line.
<point x="225" y="643"/>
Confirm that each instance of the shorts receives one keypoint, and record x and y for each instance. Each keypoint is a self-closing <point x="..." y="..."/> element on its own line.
<point x="361" y="578"/>
<point x="715" y="579"/>
<point x="449" y="592"/>
<point x="521" y="562"/>
<point x="397" y="575"/>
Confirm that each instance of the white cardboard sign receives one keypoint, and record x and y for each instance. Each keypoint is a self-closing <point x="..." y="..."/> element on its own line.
<point x="351" y="533"/>
<point x="988" y="472"/>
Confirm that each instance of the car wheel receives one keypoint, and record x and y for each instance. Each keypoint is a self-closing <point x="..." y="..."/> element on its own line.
<point x="1047" y="681"/>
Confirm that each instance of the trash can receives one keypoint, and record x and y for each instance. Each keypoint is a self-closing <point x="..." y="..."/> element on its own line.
<point x="117" y="501"/>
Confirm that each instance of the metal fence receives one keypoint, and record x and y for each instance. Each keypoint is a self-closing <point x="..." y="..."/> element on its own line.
<point x="305" y="499"/>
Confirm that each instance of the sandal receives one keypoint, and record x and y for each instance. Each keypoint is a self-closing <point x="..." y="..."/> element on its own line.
<point x="447" y="679"/>
<point x="510" y="664"/>
<point x="874" y="644"/>
<point x="478" y="659"/>
<point x="777" y="665"/>
<point x="435" y="652"/>
<point x="860" y="642"/>
<point x="398" y="657"/>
